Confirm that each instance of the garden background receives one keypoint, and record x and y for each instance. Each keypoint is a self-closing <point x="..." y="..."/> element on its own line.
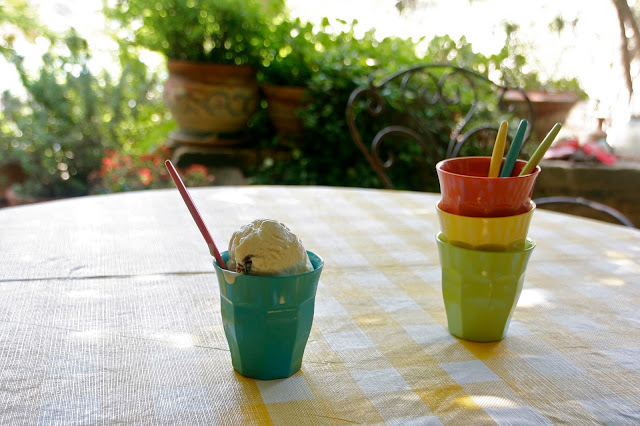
<point x="82" y="110"/>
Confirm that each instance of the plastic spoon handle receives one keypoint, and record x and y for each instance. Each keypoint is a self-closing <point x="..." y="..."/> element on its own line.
<point x="514" y="149"/>
<point x="542" y="148"/>
<point x="194" y="213"/>
<point x="498" y="150"/>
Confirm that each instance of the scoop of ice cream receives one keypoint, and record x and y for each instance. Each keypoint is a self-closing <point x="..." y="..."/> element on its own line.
<point x="267" y="247"/>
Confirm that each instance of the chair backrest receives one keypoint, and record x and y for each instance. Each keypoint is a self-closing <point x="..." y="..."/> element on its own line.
<point x="426" y="113"/>
<point x="583" y="207"/>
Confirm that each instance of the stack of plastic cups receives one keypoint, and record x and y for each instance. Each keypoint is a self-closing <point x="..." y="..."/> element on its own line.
<point x="483" y="245"/>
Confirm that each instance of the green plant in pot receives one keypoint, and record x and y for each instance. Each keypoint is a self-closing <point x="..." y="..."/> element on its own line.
<point x="212" y="47"/>
<point x="289" y="61"/>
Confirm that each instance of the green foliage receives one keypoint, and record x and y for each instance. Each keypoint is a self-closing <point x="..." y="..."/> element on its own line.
<point x="215" y="31"/>
<point x="58" y="131"/>
<point x="54" y="125"/>
<point x="327" y="155"/>
<point x="289" y="56"/>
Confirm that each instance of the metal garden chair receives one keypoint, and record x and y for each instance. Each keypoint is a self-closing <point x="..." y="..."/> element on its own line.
<point x="407" y="122"/>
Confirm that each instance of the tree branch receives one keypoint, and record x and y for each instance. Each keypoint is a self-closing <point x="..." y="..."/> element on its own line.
<point x="629" y="19"/>
<point x="624" y="47"/>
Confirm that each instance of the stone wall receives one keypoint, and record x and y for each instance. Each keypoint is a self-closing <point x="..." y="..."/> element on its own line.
<point x="616" y="186"/>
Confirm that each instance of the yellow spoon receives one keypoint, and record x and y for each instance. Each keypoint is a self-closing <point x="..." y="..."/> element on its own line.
<point x="498" y="150"/>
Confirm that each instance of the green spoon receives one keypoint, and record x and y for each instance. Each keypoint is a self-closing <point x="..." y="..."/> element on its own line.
<point x="542" y="148"/>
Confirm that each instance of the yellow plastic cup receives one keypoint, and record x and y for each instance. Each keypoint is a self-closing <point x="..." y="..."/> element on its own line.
<point x="506" y="233"/>
<point x="481" y="289"/>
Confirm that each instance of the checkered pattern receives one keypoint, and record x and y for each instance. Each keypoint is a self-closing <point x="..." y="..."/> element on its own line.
<point x="110" y="313"/>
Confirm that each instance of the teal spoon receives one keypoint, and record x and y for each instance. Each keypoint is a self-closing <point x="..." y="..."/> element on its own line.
<point x="514" y="150"/>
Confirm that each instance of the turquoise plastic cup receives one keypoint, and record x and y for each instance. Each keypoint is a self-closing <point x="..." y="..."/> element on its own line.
<point x="481" y="288"/>
<point x="267" y="320"/>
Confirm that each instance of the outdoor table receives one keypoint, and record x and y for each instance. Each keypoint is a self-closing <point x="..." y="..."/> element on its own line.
<point x="110" y="313"/>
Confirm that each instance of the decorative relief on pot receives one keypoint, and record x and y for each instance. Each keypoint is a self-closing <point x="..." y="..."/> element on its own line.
<point x="203" y="102"/>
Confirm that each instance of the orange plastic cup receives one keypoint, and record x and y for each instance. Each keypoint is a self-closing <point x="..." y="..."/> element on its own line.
<point x="468" y="191"/>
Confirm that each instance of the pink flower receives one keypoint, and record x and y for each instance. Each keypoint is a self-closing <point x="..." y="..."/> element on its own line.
<point x="197" y="168"/>
<point x="145" y="176"/>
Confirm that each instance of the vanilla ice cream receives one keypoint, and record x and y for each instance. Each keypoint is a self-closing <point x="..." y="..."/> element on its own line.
<point x="267" y="247"/>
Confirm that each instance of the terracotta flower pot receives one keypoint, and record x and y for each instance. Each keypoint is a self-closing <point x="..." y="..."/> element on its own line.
<point x="10" y="174"/>
<point x="550" y="108"/>
<point x="284" y="104"/>
<point x="207" y="99"/>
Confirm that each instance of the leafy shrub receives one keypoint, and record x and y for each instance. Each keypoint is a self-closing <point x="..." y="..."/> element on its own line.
<point x="327" y="154"/>
<point x="220" y="31"/>
<point x="59" y="130"/>
<point x="289" y="56"/>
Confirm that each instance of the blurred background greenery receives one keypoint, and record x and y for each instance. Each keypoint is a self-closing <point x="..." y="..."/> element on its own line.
<point x="72" y="130"/>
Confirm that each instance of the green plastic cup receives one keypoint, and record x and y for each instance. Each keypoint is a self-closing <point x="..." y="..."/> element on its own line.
<point x="267" y="320"/>
<point x="481" y="289"/>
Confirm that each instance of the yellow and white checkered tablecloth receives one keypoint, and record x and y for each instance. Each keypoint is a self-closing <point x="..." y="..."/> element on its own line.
<point x="110" y="313"/>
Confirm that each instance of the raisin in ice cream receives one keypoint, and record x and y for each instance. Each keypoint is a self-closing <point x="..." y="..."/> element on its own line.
<point x="267" y="247"/>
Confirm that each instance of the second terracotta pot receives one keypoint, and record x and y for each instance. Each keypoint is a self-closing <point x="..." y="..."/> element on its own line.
<point x="285" y="103"/>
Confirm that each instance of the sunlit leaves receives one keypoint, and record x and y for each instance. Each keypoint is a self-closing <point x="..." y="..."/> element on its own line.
<point x="220" y="31"/>
<point x="58" y="133"/>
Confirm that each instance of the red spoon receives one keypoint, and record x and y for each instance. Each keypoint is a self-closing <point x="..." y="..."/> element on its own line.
<point x="194" y="213"/>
